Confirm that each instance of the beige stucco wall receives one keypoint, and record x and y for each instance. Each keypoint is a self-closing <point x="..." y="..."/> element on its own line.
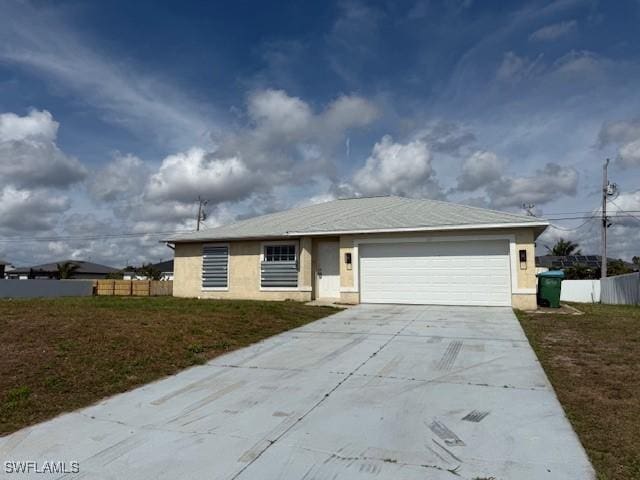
<point x="524" y="302"/>
<point x="244" y="273"/>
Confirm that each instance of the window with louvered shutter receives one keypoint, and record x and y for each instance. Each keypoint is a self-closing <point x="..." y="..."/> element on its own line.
<point x="279" y="268"/>
<point x="215" y="266"/>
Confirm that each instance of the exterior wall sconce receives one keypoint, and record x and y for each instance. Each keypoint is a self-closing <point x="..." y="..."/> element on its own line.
<point x="523" y="259"/>
<point x="347" y="260"/>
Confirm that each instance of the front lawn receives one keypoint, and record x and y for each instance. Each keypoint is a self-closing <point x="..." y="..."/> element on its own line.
<point x="57" y="355"/>
<point x="593" y="362"/>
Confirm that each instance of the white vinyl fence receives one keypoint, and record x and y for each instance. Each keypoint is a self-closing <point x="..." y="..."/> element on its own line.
<point x="621" y="289"/>
<point x="583" y="291"/>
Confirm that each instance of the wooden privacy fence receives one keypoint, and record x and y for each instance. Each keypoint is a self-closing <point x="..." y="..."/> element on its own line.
<point x="134" y="288"/>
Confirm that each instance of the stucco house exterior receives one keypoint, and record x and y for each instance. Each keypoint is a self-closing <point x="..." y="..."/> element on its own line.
<point x="366" y="250"/>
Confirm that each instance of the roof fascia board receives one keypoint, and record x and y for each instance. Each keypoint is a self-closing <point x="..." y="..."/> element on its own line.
<point x="423" y="229"/>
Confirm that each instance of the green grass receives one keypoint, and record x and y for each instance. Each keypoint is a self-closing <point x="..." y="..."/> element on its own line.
<point x="592" y="361"/>
<point x="57" y="355"/>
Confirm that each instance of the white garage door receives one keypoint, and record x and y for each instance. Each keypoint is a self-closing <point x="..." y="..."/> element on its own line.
<point x="438" y="273"/>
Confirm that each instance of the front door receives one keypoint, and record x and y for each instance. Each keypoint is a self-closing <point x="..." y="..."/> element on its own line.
<point x="328" y="270"/>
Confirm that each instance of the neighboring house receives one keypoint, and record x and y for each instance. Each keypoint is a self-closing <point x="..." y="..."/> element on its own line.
<point x="555" y="262"/>
<point x="133" y="275"/>
<point x="369" y="250"/>
<point x="85" y="270"/>
<point x="165" y="268"/>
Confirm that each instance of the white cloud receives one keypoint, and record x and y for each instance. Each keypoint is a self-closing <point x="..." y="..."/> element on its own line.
<point x="29" y="156"/>
<point x="399" y="169"/>
<point x="24" y="210"/>
<point x="279" y="118"/>
<point x="548" y="184"/>
<point x="554" y="31"/>
<point x="619" y="132"/>
<point x="347" y="112"/>
<point x="630" y="154"/>
<point x="125" y="176"/>
<point x="626" y="135"/>
<point x="276" y="113"/>
<point x="447" y="137"/>
<point x="284" y="143"/>
<point x="479" y="170"/>
<point x="628" y="205"/>
<point x="184" y="176"/>
<point x="38" y="126"/>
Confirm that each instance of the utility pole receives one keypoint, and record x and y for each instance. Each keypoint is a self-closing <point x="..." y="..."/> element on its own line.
<point x="605" y="193"/>
<point x="202" y="216"/>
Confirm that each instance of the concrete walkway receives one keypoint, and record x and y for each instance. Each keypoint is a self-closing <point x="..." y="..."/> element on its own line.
<point x="384" y="391"/>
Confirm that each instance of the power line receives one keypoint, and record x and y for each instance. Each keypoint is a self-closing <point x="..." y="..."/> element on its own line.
<point x="587" y="216"/>
<point x="577" y="213"/>
<point x="625" y="211"/>
<point x="573" y="229"/>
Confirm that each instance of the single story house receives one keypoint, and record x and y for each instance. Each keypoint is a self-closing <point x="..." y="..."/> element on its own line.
<point x="165" y="268"/>
<point x="84" y="270"/>
<point x="370" y="250"/>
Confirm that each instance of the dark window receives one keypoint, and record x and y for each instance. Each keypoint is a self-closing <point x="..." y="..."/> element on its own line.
<point x="280" y="253"/>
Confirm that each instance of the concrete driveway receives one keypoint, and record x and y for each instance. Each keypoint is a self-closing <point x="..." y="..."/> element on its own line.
<point x="384" y="391"/>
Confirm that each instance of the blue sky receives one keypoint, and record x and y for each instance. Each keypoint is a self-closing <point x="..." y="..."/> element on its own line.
<point x="115" y="116"/>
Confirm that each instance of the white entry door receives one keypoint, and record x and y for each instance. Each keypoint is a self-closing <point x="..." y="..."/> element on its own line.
<point x="441" y="273"/>
<point x="328" y="270"/>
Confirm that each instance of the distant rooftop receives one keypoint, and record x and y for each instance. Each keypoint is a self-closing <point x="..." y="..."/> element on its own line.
<point x="166" y="266"/>
<point x="362" y="214"/>
<point x="83" y="267"/>
<point x="591" y="261"/>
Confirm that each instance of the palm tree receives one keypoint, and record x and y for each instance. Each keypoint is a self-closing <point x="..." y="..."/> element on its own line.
<point x="66" y="270"/>
<point x="563" y="247"/>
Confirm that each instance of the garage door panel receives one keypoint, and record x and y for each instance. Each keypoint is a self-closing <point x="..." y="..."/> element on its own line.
<point x="446" y="273"/>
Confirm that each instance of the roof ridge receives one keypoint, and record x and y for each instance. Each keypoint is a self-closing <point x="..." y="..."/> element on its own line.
<point x="501" y="212"/>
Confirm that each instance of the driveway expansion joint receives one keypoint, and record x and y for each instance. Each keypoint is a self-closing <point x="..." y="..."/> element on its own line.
<point x="319" y="402"/>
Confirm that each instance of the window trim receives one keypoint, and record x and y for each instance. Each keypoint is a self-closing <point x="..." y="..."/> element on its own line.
<point x="215" y="289"/>
<point x="296" y="246"/>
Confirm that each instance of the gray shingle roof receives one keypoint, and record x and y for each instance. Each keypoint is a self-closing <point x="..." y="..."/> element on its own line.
<point x="83" y="267"/>
<point x="360" y="214"/>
